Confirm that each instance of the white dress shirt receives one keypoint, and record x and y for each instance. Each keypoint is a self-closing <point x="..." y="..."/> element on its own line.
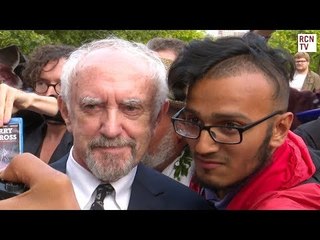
<point x="84" y="184"/>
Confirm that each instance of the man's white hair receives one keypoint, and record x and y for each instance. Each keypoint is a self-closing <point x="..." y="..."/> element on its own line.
<point x="137" y="52"/>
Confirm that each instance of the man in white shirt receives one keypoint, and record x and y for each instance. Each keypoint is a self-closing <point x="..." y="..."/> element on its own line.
<point x="304" y="78"/>
<point x="168" y="152"/>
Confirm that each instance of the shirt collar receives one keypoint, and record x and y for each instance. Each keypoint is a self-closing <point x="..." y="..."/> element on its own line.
<point x="84" y="184"/>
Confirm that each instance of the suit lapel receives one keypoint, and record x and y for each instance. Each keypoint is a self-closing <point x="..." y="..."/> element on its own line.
<point x="146" y="193"/>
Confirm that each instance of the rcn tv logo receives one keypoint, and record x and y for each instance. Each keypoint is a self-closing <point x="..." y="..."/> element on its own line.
<point x="307" y="42"/>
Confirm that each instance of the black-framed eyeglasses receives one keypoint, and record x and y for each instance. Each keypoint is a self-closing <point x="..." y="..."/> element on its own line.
<point x="42" y="87"/>
<point x="220" y="134"/>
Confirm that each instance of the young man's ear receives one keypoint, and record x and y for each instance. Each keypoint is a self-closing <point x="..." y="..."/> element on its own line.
<point x="281" y="129"/>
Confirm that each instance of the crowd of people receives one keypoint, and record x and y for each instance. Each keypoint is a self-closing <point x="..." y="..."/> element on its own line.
<point x="125" y="121"/>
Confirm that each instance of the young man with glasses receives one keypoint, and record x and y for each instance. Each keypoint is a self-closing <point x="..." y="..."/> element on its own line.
<point x="246" y="157"/>
<point x="303" y="78"/>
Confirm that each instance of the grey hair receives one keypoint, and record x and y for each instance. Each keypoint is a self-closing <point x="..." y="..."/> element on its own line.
<point x="155" y="68"/>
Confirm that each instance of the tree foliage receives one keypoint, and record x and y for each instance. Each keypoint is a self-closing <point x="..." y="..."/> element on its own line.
<point x="27" y="40"/>
<point x="145" y="35"/>
<point x="288" y="39"/>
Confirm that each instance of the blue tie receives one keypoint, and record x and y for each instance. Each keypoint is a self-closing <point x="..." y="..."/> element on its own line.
<point x="102" y="191"/>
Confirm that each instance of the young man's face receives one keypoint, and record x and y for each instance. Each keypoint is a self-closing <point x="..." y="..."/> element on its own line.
<point x="50" y="78"/>
<point x="231" y="101"/>
<point x="301" y="64"/>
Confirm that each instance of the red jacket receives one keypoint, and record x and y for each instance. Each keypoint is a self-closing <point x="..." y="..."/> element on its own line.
<point x="278" y="187"/>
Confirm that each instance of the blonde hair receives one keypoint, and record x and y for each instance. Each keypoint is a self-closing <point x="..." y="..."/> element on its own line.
<point x="302" y="55"/>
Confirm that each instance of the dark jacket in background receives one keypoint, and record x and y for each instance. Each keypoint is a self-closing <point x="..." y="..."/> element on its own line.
<point x="34" y="131"/>
<point x="300" y="101"/>
<point x="310" y="133"/>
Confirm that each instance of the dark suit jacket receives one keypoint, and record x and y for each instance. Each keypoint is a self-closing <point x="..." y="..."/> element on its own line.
<point x="152" y="190"/>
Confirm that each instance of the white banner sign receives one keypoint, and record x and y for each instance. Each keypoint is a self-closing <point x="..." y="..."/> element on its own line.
<point x="307" y="42"/>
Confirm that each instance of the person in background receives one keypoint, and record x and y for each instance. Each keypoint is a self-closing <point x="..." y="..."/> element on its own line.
<point x="113" y="94"/>
<point x="167" y="48"/>
<point x="304" y="78"/>
<point x="13" y="99"/>
<point x="246" y="158"/>
<point x="45" y="133"/>
<point x="168" y="152"/>
<point x="11" y="64"/>
<point x="304" y="88"/>
<point x="299" y="101"/>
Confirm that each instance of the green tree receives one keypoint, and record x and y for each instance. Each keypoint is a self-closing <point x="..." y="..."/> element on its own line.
<point x="288" y="39"/>
<point x="27" y="40"/>
<point x="145" y="35"/>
